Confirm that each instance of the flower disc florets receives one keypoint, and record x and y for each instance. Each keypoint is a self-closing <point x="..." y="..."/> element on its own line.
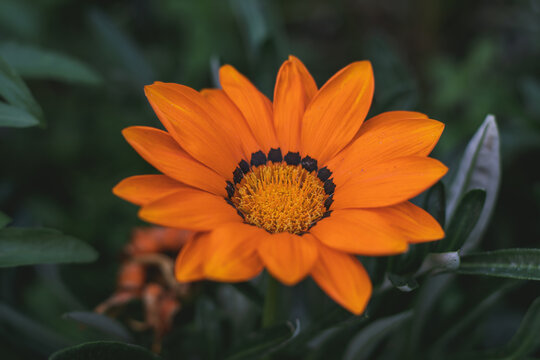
<point x="281" y="196"/>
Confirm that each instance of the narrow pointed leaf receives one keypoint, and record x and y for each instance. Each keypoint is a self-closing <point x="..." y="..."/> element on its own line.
<point x="104" y="350"/>
<point x="468" y="320"/>
<point x="362" y="344"/>
<point x="333" y="334"/>
<point x="323" y="329"/>
<point x="479" y="169"/>
<point x="255" y="20"/>
<point x="32" y="62"/>
<point x="266" y="341"/>
<point x="13" y="116"/>
<point x="34" y="334"/>
<point x="507" y="263"/>
<point x="103" y="323"/>
<point x="525" y="341"/>
<point x="464" y="220"/>
<point x="19" y="246"/>
<point x="15" y="92"/>
<point x="121" y="48"/>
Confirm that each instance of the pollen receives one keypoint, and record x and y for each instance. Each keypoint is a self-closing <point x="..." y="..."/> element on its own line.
<point x="279" y="197"/>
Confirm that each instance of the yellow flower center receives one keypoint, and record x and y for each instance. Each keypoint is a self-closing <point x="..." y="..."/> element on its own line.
<point x="279" y="197"/>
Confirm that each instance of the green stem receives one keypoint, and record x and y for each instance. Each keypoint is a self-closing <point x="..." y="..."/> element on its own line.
<point x="270" y="309"/>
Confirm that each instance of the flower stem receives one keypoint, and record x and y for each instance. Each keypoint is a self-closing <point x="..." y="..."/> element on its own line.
<point x="270" y="309"/>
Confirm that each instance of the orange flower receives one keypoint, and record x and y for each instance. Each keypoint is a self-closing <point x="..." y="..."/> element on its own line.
<point x="297" y="186"/>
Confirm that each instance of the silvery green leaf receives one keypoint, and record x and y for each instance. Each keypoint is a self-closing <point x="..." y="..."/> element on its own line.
<point x="507" y="263"/>
<point x="479" y="169"/>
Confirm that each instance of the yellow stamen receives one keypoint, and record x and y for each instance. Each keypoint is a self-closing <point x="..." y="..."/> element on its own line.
<point x="279" y="197"/>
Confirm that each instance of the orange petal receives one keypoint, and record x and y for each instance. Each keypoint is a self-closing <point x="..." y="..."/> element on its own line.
<point x="142" y="189"/>
<point x="343" y="278"/>
<point x="294" y="89"/>
<point x="255" y="107"/>
<point x="189" y="263"/>
<point x="233" y="255"/>
<point x="288" y="257"/>
<point x="194" y="124"/>
<point x="159" y="149"/>
<point x="399" y="114"/>
<point x="190" y="209"/>
<point x="388" y="183"/>
<point x="310" y="86"/>
<point x="361" y="232"/>
<point x="232" y="120"/>
<point x="383" y="138"/>
<point x="336" y="112"/>
<point x="412" y="221"/>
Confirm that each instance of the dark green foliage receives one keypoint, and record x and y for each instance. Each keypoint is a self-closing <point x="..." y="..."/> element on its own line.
<point x="265" y="341"/>
<point x="104" y="350"/>
<point x="20" y="246"/>
<point x="82" y="66"/>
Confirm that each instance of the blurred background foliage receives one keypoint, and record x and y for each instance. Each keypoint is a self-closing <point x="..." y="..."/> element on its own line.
<point x="453" y="60"/>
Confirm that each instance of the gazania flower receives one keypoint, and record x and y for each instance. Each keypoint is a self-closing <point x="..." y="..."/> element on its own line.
<point x="298" y="186"/>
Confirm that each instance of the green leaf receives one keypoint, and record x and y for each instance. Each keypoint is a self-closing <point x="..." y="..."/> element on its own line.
<point x="103" y="323"/>
<point x="208" y="324"/>
<point x="479" y="168"/>
<point x="507" y="263"/>
<point x="330" y="336"/>
<point x="32" y="62"/>
<point x="35" y="335"/>
<point x="435" y="202"/>
<point x="362" y="344"/>
<point x="325" y="327"/>
<point x="15" y="92"/>
<point x="265" y="341"/>
<point x="525" y="341"/>
<point x="121" y="48"/>
<point x="253" y="17"/>
<point x="465" y="321"/>
<point x="463" y="222"/>
<point x="429" y="294"/>
<point x="19" y="246"/>
<point x="4" y="220"/>
<point x="12" y="116"/>
<point x="104" y="350"/>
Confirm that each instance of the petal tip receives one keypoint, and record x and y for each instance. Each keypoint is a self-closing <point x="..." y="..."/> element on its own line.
<point x="227" y="70"/>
